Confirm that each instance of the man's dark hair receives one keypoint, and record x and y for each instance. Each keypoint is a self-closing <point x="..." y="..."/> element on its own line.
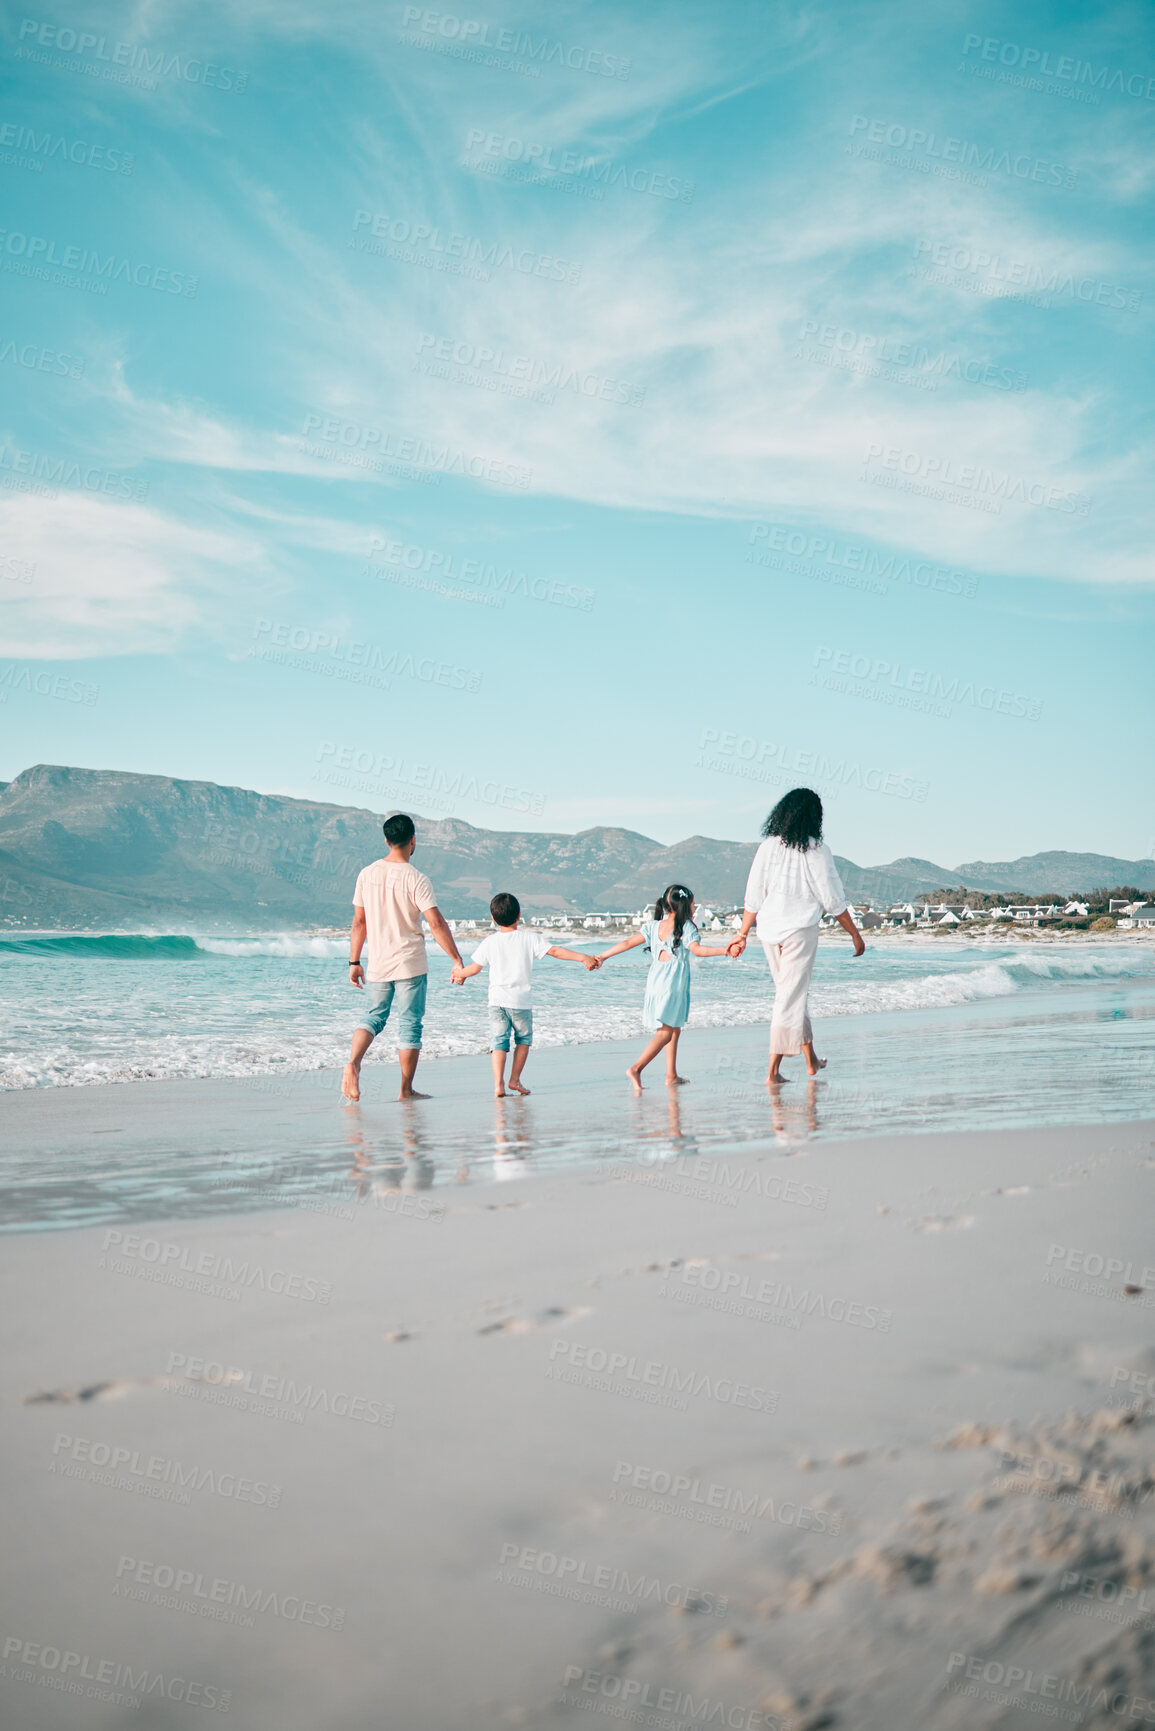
<point x="506" y="909"/>
<point x="399" y="829"/>
<point x="797" y="818"/>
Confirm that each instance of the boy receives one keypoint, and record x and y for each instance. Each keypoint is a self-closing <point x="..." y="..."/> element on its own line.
<point x="511" y="955"/>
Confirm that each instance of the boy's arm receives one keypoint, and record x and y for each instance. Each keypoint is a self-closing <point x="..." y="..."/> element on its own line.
<point x="590" y="962"/>
<point x="461" y="972"/>
<point x="620" y="949"/>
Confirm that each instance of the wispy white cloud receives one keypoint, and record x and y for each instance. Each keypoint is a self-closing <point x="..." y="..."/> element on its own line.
<point x="114" y="579"/>
<point x="702" y="305"/>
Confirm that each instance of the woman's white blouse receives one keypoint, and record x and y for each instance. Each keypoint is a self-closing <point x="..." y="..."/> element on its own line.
<point x="789" y="889"/>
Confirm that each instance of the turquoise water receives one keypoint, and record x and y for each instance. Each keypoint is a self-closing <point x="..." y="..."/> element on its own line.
<point x="922" y="1035"/>
<point x="1082" y="1056"/>
<point x="89" y="1009"/>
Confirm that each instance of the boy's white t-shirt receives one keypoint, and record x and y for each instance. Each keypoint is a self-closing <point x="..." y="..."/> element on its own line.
<point x="510" y="957"/>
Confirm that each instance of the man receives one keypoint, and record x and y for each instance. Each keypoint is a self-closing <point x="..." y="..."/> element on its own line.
<point x="390" y="898"/>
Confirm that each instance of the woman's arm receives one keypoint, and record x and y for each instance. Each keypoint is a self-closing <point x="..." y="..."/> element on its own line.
<point x="846" y="921"/>
<point x="752" y="901"/>
<point x="626" y="944"/>
<point x="825" y="881"/>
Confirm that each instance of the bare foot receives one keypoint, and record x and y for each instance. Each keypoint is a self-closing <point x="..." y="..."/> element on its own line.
<point x="775" y="1077"/>
<point x="676" y="1081"/>
<point x="412" y="1094"/>
<point x="518" y="1088"/>
<point x="820" y="1064"/>
<point x="499" y="1093"/>
<point x="350" y="1083"/>
<point x="635" y="1078"/>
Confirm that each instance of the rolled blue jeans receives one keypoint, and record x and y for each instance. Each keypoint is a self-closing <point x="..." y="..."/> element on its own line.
<point x="503" y="1022"/>
<point x="409" y="996"/>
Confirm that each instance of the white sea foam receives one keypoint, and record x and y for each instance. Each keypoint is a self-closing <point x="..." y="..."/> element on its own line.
<point x="286" y="944"/>
<point x="194" y="1009"/>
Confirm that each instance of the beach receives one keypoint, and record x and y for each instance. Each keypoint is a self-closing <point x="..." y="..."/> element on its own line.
<point x="577" y="900"/>
<point x="796" y="1432"/>
<point x="823" y="1406"/>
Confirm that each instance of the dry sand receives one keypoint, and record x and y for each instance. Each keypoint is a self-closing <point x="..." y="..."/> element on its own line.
<point x="412" y="1462"/>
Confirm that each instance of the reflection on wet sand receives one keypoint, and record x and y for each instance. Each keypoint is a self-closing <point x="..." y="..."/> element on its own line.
<point x="389" y="1160"/>
<point x="793" y="1116"/>
<point x="514" y="1133"/>
<point x="380" y="1170"/>
<point x="187" y="1150"/>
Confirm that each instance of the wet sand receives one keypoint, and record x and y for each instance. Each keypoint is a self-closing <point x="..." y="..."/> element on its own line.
<point x="805" y="1431"/>
<point x="138" y="1150"/>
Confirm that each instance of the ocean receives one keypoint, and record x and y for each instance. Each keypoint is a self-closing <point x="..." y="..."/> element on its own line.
<point x="922" y="1034"/>
<point x="79" y="1009"/>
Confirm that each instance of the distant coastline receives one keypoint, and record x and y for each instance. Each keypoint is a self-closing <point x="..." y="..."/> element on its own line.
<point x="117" y="851"/>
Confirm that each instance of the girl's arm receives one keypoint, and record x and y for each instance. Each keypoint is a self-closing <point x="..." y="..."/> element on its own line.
<point x="626" y="944"/>
<point x="710" y="950"/>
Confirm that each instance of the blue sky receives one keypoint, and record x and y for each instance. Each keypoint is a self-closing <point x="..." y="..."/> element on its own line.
<point x="588" y="414"/>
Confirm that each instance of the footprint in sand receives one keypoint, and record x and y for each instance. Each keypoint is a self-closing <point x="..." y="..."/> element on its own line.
<point x="548" y="1318"/>
<point x="116" y="1390"/>
<point x="94" y="1391"/>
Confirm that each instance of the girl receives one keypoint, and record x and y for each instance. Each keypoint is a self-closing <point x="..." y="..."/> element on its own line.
<point x="671" y="938"/>
<point x="793" y="882"/>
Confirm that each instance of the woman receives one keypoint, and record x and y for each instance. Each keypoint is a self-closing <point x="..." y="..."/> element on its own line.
<point x="793" y="881"/>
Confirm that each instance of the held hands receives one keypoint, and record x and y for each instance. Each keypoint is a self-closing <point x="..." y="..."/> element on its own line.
<point x="735" y="949"/>
<point x="458" y="975"/>
<point x="592" y="963"/>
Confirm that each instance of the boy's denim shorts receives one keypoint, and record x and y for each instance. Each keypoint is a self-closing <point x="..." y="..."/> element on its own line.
<point x="502" y="1022"/>
<point x="410" y="999"/>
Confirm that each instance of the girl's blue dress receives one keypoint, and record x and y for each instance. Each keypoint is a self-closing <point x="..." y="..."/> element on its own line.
<point x="668" y="986"/>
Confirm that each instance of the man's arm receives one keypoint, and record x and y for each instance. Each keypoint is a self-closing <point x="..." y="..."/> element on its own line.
<point x="442" y="933"/>
<point x="356" y="945"/>
<point x="590" y="962"/>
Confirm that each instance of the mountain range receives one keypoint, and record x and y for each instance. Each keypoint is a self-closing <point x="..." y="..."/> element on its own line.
<point x="114" y="851"/>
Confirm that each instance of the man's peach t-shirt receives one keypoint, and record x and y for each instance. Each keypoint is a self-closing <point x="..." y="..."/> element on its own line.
<point x="394" y="898"/>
